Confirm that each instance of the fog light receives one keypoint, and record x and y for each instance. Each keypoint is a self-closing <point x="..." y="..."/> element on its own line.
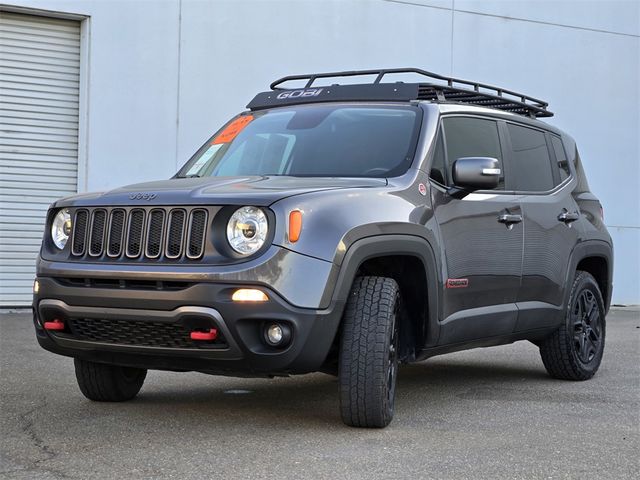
<point x="36" y="287"/>
<point x="274" y="334"/>
<point x="277" y="335"/>
<point x="249" y="295"/>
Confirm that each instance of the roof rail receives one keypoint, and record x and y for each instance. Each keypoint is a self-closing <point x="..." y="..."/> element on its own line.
<point x="448" y="90"/>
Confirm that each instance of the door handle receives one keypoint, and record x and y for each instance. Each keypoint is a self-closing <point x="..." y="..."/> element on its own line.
<point x="509" y="218"/>
<point x="568" y="217"/>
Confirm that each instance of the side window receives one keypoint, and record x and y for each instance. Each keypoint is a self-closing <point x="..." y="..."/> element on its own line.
<point x="438" y="171"/>
<point x="472" y="137"/>
<point x="561" y="157"/>
<point x="530" y="162"/>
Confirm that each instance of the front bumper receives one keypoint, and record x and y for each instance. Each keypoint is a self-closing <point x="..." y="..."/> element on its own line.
<point x="170" y="308"/>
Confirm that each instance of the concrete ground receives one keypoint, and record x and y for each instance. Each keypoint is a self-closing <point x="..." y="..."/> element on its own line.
<point x="487" y="413"/>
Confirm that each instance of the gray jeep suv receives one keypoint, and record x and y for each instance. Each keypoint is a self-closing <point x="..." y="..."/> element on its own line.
<point x="343" y="228"/>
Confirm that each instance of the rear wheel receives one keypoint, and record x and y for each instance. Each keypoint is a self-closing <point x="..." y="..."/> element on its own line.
<point x="574" y="351"/>
<point x="108" y="383"/>
<point x="368" y="364"/>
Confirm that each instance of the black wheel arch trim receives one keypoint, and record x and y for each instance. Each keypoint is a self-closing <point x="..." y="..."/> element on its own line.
<point x="388" y="245"/>
<point x="587" y="249"/>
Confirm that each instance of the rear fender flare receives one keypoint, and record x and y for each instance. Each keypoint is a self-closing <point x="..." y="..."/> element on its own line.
<point x="590" y="248"/>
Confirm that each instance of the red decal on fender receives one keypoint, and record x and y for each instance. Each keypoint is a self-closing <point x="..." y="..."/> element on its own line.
<point x="457" y="283"/>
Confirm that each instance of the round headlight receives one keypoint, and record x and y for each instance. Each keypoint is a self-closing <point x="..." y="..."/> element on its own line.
<point x="61" y="228"/>
<point x="247" y="230"/>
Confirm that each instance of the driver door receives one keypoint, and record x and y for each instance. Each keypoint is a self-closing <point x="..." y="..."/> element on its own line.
<point x="482" y="253"/>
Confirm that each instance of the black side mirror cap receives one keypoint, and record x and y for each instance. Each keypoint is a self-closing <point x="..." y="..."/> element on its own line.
<point x="476" y="173"/>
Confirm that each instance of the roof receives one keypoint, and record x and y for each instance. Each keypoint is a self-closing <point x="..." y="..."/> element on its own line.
<point x="439" y="89"/>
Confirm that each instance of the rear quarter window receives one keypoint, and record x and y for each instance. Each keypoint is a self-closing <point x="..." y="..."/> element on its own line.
<point x="561" y="158"/>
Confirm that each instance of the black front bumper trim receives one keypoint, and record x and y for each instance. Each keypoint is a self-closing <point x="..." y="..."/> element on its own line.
<point x="57" y="308"/>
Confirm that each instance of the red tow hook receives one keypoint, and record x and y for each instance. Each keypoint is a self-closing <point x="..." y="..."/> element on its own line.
<point x="207" y="336"/>
<point x="57" y="325"/>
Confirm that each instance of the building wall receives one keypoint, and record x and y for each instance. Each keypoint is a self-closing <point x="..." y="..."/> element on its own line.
<point x="161" y="76"/>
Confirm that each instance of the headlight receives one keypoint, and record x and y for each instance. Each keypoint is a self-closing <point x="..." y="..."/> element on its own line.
<point x="61" y="228"/>
<point x="247" y="230"/>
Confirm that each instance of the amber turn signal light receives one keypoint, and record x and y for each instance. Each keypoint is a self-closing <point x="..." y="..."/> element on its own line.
<point x="295" y="225"/>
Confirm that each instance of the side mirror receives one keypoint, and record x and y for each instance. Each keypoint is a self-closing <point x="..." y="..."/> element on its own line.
<point x="476" y="173"/>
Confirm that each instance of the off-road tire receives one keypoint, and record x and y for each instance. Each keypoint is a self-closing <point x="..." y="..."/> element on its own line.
<point x="574" y="351"/>
<point x="108" y="383"/>
<point x="368" y="362"/>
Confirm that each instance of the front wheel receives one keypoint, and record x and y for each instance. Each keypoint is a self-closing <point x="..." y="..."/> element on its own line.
<point x="368" y="363"/>
<point x="108" y="383"/>
<point x="574" y="351"/>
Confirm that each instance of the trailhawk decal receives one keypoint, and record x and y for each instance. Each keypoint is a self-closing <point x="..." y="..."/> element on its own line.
<point x="457" y="283"/>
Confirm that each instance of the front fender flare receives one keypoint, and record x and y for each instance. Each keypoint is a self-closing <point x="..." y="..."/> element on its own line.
<point x="387" y="245"/>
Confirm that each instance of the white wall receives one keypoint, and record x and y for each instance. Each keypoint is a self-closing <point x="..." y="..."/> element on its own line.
<point x="163" y="75"/>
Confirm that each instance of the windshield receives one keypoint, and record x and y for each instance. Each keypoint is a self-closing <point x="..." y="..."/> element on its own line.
<point x="327" y="141"/>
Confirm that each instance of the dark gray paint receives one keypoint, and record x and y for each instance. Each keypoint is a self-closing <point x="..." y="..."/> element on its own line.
<point x="258" y="191"/>
<point x="300" y="279"/>
<point x="517" y="272"/>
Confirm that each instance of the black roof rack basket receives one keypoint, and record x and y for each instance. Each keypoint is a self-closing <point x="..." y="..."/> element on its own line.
<point x="438" y="88"/>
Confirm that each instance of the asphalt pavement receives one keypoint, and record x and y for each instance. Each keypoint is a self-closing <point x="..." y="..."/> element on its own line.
<point x="486" y="413"/>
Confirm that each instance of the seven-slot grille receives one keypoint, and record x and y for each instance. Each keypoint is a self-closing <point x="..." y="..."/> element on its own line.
<point x="140" y="233"/>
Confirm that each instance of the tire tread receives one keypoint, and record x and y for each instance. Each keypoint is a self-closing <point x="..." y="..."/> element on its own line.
<point x="367" y="321"/>
<point x="106" y="383"/>
<point x="557" y="350"/>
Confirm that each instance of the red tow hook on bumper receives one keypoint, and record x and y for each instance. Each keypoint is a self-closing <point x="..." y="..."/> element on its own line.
<point x="56" y="325"/>
<point x="207" y="336"/>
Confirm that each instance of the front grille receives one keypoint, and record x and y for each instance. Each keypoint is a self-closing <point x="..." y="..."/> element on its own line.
<point x="176" y="233"/>
<point x="116" y="230"/>
<point x="154" y="233"/>
<point x="98" y="224"/>
<point x="197" y="222"/>
<point x="80" y="232"/>
<point x="134" y="234"/>
<point x="146" y="334"/>
<point x="137" y="233"/>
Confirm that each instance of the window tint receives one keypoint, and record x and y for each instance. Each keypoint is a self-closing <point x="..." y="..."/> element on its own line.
<point x="438" y="170"/>
<point x="472" y="137"/>
<point x="561" y="157"/>
<point x="530" y="163"/>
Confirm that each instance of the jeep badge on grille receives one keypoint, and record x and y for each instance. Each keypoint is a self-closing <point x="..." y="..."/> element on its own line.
<point x="142" y="196"/>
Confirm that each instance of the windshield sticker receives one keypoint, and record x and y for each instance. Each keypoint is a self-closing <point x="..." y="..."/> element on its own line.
<point x="202" y="161"/>
<point x="232" y="130"/>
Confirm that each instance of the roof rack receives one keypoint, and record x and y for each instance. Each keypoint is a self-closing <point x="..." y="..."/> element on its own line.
<point x="448" y="90"/>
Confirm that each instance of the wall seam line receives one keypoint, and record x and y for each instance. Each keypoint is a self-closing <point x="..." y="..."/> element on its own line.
<point x="519" y="19"/>
<point x="453" y="13"/>
<point x="177" y="166"/>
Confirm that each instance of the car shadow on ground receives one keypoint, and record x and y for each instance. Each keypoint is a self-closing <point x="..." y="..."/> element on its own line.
<point x="313" y="399"/>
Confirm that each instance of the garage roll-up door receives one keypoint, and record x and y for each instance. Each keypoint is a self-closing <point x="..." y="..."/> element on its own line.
<point x="39" y="86"/>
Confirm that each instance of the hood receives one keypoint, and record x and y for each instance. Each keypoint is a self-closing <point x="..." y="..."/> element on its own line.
<point x="259" y="191"/>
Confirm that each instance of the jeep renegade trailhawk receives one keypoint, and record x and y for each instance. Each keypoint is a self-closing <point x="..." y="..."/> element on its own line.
<point x="343" y="228"/>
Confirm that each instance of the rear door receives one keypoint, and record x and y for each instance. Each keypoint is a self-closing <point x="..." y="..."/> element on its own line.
<point x="541" y="177"/>
<point x="482" y="253"/>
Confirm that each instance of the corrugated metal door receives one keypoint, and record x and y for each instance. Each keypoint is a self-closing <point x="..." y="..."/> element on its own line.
<point x="39" y="90"/>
